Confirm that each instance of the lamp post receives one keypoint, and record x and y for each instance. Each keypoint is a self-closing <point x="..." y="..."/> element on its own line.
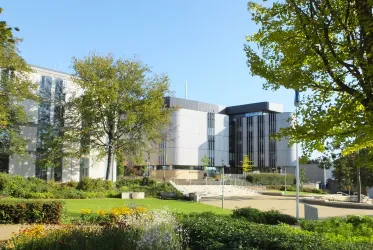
<point x="296" y="104"/>
<point x="222" y="178"/>
<point x="222" y="188"/>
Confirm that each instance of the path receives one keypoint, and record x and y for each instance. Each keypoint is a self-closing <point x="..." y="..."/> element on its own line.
<point x="285" y="205"/>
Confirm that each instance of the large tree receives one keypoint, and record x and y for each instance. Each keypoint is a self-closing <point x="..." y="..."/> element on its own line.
<point x="324" y="49"/>
<point x="121" y="107"/>
<point x="15" y="87"/>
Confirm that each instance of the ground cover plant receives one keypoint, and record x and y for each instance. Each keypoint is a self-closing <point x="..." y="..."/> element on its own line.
<point x="134" y="227"/>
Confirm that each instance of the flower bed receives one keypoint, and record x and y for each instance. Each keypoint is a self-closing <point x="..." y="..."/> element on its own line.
<point x="134" y="228"/>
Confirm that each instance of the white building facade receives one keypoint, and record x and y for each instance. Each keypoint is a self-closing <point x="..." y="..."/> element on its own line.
<point x="54" y="88"/>
<point x="225" y="135"/>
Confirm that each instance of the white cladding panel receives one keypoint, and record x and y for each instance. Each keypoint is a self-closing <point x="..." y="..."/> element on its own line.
<point x="285" y="154"/>
<point x="188" y="142"/>
<point x="221" y="139"/>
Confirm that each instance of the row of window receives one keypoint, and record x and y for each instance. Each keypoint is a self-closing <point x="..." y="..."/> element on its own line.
<point x="211" y="137"/>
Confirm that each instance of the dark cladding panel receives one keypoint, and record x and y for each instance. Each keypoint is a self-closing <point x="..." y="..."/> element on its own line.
<point x="254" y="107"/>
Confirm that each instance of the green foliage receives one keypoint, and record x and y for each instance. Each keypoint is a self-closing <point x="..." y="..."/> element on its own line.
<point x="350" y="226"/>
<point x="120" y="169"/>
<point x="18" y="212"/>
<point x="247" y="165"/>
<point x="123" y="101"/>
<point x="14" y="89"/>
<point x="270" y="179"/>
<point x="206" y="161"/>
<point x="94" y="185"/>
<point x="34" y="188"/>
<point x="272" y="217"/>
<point x="206" y="231"/>
<point x="324" y="49"/>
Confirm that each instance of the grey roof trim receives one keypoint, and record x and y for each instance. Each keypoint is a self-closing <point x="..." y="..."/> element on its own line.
<point x="254" y="107"/>
<point x="49" y="70"/>
<point x="192" y="105"/>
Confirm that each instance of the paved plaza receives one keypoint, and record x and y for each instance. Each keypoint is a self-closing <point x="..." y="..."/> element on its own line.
<point x="285" y="205"/>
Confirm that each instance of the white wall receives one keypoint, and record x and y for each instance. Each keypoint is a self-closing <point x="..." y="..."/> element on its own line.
<point x="221" y="139"/>
<point x="24" y="166"/>
<point x="188" y="143"/>
<point x="285" y="154"/>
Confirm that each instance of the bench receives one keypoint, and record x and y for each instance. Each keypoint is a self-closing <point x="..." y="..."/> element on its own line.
<point x="168" y="195"/>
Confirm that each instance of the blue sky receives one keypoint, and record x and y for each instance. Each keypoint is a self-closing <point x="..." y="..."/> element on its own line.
<point x="198" y="41"/>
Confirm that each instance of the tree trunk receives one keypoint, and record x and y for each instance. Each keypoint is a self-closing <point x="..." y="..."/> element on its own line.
<point x="358" y="186"/>
<point x="109" y="160"/>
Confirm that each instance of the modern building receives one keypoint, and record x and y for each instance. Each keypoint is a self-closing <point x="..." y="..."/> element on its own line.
<point x="54" y="88"/>
<point x="225" y="135"/>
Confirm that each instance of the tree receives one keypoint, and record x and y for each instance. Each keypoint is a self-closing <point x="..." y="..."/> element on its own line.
<point x="247" y="165"/>
<point x="349" y="169"/>
<point x="206" y="162"/>
<point x="15" y="87"/>
<point x="121" y="106"/>
<point x="325" y="162"/>
<point x="302" y="177"/>
<point x="324" y="49"/>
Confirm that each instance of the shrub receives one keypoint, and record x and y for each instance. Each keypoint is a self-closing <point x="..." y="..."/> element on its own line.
<point x="4" y="180"/>
<point x="18" y="212"/>
<point x="272" y="217"/>
<point x="122" y="181"/>
<point x="270" y="179"/>
<point x="221" y="232"/>
<point x="351" y="226"/>
<point x="314" y="190"/>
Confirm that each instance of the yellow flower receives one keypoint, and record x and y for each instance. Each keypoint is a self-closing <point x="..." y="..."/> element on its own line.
<point x="101" y="212"/>
<point x="85" y="211"/>
<point x="141" y="210"/>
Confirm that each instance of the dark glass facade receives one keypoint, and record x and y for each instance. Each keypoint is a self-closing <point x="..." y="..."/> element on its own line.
<point x="251" y="134"/>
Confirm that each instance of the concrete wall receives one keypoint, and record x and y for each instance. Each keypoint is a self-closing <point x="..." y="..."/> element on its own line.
<point x="177" y="174"/>
<point x="313" y="172"/>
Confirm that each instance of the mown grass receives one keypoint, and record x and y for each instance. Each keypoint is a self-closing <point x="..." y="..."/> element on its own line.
<point x="75" y="205"/>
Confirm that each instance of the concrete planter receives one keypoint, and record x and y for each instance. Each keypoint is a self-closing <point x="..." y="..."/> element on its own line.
<point x="138" y="195"/>
<point x="126" y="195"/>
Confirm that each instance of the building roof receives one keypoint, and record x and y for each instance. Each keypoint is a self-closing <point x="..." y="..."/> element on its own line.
<point x="232" y="110"/>
<point x="254" y="107"/>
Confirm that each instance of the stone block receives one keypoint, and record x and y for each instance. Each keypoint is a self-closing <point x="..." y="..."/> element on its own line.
<point x="310" y="212"/>
<point x="138" y="195"/>
<point x="126" y="195"/>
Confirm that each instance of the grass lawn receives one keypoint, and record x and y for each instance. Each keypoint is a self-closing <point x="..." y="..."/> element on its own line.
<point x="75" y="205"/>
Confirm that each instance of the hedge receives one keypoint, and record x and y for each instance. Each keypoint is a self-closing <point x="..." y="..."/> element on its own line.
<point x="210" y="231"/>
<point x="30" y="211"/>
<point x="272" y="217"/>
<point x="270" y="179"/>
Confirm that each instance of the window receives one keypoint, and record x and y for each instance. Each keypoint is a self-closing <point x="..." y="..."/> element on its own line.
<point x="4" y="164"/>
<point x="84" y="167"/>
